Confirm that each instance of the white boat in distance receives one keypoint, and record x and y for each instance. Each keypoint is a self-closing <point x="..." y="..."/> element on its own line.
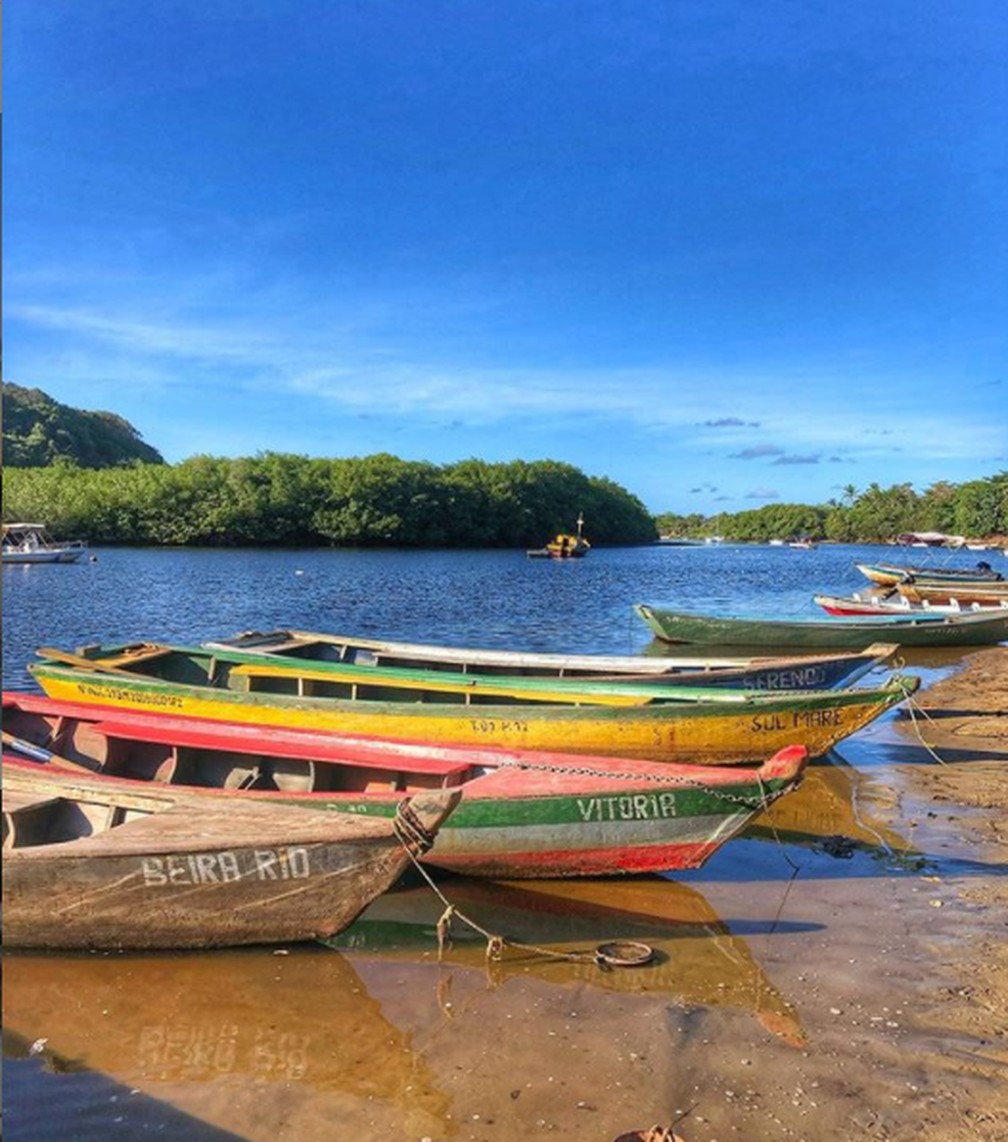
<point x="31" y="543"/>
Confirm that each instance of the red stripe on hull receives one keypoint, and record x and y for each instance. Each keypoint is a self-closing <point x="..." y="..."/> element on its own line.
<point x="582" y="862"/>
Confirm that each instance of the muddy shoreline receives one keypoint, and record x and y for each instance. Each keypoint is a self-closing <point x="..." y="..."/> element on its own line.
<point x="841" y="972"/>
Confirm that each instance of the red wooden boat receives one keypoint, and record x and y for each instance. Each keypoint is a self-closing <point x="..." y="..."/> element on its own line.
<point x="868" y="604"/>
<point x="522" y="814"/>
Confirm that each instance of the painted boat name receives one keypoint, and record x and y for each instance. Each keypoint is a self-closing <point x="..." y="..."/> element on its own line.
<point x="806" y="719"/>
<point x="804" y="678"/>
<point x="121" y="695"/>
<point x="635" y="807"/>
<point x="217" y="867"/>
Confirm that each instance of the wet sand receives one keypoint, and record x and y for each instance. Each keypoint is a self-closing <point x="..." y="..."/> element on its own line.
<point x="841" y="972"/>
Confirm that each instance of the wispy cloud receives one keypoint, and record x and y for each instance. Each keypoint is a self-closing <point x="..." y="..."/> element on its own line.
<point x="363" y="356"/>
<point x="757" y="452"/>
<point x="812" y="459"/>
<point x="762" y="494"/>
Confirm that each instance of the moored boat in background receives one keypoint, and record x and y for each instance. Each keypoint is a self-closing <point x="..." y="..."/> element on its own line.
<point x="564" y="546"/>
<point x="914" y="630"/>
<point x="31" y="543"/>
<point x="891" y="574"/>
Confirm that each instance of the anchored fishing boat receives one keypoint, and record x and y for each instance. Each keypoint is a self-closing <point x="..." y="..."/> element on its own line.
<point x="564" y="546"/>
<point x="31" y="543"/>
<point x="522" y="813"/>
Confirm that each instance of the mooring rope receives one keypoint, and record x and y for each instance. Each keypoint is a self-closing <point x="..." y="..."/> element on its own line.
<point x="497" y="943"/>
<point x="913" y="706"/>
<point x="410" y="831"/>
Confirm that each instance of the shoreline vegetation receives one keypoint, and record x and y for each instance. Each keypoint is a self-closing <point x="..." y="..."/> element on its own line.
<point x="277" y="499"/>
<point x="91" y="474"/>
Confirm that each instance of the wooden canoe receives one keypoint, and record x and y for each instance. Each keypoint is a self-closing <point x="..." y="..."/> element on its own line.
<point x="896" y="604"/>
<point x="915" y="630"/>
<point x="889" y="574"/>
<point x="790" y="672"/>
<point x="989" y="595"/>
<point x="734" y="727"/>
<point x="105" y="864"/>
<point x="523" y="814"/>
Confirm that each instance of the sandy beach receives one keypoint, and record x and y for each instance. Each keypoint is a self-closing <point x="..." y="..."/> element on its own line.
<point x="841" y="973"/>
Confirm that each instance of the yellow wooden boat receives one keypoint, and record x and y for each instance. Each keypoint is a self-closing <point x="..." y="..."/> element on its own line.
<point x="251" y="689"/>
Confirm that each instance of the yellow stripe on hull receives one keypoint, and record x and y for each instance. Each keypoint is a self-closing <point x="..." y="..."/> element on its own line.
<point x="661" y="733"/>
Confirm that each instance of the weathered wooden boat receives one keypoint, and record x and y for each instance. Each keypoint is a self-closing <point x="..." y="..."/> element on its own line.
<point x="31" y="543"/>
<point x="934" y="591"/>
<point x="897" y="604"/>
<point x="889" y="574"/>
<point x="89" y="862"/>
<point x="523" y="813"/>
<point x="790" y="672"/>
<point x="711" y="727"/>
<point x="914" y="630"/>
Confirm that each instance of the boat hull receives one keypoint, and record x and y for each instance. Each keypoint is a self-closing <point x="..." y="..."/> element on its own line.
<point x="912" y="631"/>
<point x="522" y="814"/>
<point x="750" y="729"/>
<point x="62" y="555"/>
<point x="889" y="574"/>
<point x="259" y="874"/>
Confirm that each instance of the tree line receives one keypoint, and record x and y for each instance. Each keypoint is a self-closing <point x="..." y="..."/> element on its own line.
<point x="978" y="508"/>
<point x="281" y="499"/>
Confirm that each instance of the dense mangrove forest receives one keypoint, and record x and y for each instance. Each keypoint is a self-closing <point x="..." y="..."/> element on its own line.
<point x="280" y="499"/>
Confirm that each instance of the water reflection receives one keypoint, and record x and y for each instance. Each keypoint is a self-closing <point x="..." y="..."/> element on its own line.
<point x="355" y="1023"/>
<point x="303" y="1018"/>
<point x="698" y="962"/>
<point x="835" y="800"/>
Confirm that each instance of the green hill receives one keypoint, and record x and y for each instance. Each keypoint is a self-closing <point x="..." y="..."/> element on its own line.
<point x="38" y="430"/>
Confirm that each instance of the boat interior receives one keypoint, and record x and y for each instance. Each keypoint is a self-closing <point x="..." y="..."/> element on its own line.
<point x="31" y="820"/>
<point x="147" y="753"/>
<point x="268" y="675"/>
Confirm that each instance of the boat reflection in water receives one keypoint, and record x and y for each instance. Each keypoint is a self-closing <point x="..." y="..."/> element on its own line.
<point x="183" y="1027"/>
<point x="833" y="811"/>
<point x="697" y="963"/>
<point x="369" y="1026"/>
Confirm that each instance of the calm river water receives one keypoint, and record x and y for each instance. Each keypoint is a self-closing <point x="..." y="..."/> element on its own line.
<point x="370" y="1042"/>
<point x="467" y="598"/>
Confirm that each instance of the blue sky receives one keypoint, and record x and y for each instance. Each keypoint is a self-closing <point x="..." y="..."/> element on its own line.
<point x="723" y="253"/>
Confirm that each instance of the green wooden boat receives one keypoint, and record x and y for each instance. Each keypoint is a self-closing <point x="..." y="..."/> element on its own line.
<point x="662" y="723"/>
<point x="854" y="632"/>
<point x="821" y="671"/>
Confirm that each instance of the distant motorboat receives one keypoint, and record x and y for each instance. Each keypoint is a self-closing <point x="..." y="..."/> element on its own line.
<point x="31" y="543"/>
